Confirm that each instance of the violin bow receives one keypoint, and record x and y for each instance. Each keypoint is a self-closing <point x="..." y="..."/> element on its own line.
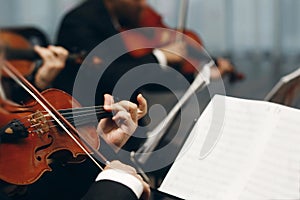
<point x="182" y="19"/>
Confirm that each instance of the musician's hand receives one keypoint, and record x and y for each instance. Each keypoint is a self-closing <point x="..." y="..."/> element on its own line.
<point x="142" y="107"/>
<point x="223" y="67"/>
<point x="54" y="59"/>
<point x="175" y="52"/>
<point x="117" y="131"/>
<point x="130" y="170"/>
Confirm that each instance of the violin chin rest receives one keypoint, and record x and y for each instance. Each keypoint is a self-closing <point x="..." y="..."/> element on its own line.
<point x="13" y="130"/>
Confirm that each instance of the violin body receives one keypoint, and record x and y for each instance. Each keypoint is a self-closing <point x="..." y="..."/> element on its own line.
<point x="24" y="160"/>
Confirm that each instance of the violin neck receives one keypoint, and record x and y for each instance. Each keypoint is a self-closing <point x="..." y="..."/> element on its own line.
<point x="85" y="115"/>
<point x="31" y="55"/>
<point x="21" y="54"/>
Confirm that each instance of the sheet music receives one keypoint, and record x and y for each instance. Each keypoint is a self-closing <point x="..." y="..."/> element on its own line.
<point x="256" y="156"/>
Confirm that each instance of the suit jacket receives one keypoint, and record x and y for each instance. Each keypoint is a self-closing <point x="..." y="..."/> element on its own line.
<point x="84" y="28"/>
<point x="101" y="190"/>
<point x="106" y="189"/>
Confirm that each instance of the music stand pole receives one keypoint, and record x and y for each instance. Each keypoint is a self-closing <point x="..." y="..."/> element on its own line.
<point x="154" y="136"/>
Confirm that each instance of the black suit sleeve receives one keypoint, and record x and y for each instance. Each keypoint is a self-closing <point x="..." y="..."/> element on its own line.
<point x="110" y="190"/>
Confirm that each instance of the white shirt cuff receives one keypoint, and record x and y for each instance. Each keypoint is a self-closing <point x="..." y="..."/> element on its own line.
<point x="124" y="178"/>
<point x="161" y="58"/>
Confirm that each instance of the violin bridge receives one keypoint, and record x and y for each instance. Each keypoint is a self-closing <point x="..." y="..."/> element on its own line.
<point x="39" y="123"/>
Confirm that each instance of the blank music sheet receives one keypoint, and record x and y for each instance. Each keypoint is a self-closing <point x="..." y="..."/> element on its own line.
<point x="255" y="156"/>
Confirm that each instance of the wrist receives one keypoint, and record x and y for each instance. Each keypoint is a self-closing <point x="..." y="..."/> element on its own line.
<point x="42" y="81"/>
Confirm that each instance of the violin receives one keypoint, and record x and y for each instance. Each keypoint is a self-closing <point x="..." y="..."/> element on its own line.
<point x="34" y="132"/>
<point x="162" y="37"/>
<point x="19" y="52"/>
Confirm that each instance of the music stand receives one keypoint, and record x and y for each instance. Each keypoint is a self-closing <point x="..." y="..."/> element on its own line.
<point x="285" y="91"/>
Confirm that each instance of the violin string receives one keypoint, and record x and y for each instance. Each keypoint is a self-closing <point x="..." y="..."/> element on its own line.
<point x="80" y="116"/>
<point x="77" y="112"/>
<point x="82" y="109"/>
<point x="76" y="115"/>
<point x="80" y="123"/>
<point x="69" y="111"/>
<point x="71" y="118"/>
